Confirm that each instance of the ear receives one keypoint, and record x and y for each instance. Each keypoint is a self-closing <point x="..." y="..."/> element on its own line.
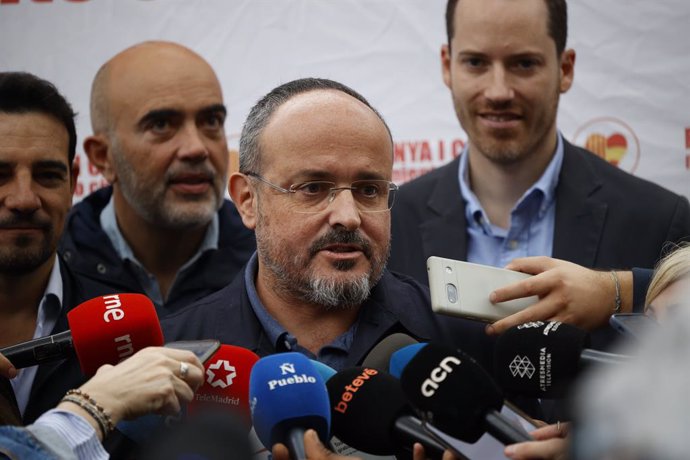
<point x="242" y="192"/>
<point x="567" y="70"/>
<point x="97" y="149"/>
<point x="73" y="178"/>
<point x="445" y="65"/>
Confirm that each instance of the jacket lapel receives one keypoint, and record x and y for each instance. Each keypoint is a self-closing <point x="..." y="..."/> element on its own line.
<point x="580" y="215"/>
<point x="443" y="231"/>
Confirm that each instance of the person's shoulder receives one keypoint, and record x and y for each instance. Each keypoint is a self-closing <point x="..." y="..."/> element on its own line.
<point x="215" y="315"/>
<point x="614" y="178"/>
<point x="403" y="291"/>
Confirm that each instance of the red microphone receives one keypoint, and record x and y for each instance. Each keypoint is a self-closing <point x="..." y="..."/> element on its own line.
<point x="103" y="330"/>
<point x="226" y="384"/>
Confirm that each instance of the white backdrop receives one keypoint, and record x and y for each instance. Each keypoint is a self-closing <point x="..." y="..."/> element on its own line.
<point x="630" y="101"/>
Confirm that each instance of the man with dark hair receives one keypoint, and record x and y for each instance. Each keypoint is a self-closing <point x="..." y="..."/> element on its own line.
<point x="163" y="227"/>
<point x="37" y="147"/>
<point x="519" y="188"/>
<point x="314" y="183"/>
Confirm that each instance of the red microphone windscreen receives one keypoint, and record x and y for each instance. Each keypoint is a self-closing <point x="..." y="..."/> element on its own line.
<point x="110" y="328"/>
<point x="226" y="383"/>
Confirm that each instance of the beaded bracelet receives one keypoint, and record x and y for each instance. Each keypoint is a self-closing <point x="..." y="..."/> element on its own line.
<point x="83" y="400"/>
<point x="617" y="304"/>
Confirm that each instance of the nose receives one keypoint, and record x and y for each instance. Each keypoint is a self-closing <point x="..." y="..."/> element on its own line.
<point x="192" y="143"/>
<point x="499" y="88"/>
<point x="22" y="197"/>
<point x="343" y="211"/>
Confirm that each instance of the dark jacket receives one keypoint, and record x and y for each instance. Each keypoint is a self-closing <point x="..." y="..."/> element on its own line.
<point x="227" y="315"/>
<point x="54" y="379"/>
<point x="89" y="252"/>
<point x="605" y="217"/>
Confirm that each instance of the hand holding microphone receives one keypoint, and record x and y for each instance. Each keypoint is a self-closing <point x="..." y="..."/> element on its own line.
<point x="154" y="380"/>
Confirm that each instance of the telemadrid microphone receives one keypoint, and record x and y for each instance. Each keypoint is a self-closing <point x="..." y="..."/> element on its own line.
<point x="103" y="330"/>
<point x="456" y="395"/>
<point x="226" y="382"/>
<point x="542" y="359"/>
<point x="288" y="396"/>
<point x="371" y="414"/>
<point x="379" y="356"/>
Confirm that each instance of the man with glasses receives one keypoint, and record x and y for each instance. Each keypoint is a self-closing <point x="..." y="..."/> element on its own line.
<point x="314" y="184"/>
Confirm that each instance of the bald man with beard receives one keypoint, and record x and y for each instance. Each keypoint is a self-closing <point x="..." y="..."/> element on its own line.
<point x="162" y="227"/>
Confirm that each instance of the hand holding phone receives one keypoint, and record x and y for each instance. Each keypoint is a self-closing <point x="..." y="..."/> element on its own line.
<point x="463" y="288"/>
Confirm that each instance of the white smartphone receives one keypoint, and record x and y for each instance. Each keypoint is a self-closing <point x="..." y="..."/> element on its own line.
<point x="462" y="289"/>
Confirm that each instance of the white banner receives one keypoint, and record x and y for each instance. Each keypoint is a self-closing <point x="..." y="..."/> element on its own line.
<point x="629" y="102"/>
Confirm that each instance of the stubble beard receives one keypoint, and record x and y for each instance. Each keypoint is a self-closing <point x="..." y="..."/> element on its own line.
<point x="294" y="278"/>
<point x="20" y="258"/>
<point x="149" y="200"/>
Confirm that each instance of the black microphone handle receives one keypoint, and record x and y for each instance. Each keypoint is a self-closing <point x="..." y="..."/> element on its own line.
<point x="409" y="429"/>
<point x="504" y="431"/>
<point x="295" y="444"/>
<point x="38" y="351"/>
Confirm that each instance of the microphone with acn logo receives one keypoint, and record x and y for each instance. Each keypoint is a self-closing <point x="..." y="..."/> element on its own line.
<point x="371" y="414"/>
<point x="226" y="383"/>
<point x="455" y="394"/>
<point x="103" y="330"/>
<point x="543" y="359"/>
<point x="288" y="396"/>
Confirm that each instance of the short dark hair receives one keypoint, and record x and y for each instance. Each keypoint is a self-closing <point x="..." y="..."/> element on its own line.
<point x="22" y="92"/>
<point x="260" y="114"/>
<point x="557" y="24"/>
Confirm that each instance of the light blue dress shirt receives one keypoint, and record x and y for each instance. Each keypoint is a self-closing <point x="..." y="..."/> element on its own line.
<point x="146" y="279"/>
<point x="532" y="219"/>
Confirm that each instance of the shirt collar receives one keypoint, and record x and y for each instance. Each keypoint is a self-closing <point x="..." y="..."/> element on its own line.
<point x="112" y="229"/>
<point x="546" y="184"/>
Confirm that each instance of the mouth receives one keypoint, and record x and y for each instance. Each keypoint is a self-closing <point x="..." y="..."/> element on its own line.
<point x="500" y="120"/>
<point x="343" y="248"/>
<point x="191" y="183"/>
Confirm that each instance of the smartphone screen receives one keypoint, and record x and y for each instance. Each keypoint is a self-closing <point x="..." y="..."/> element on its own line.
<point x="203" y="349"/>
<point x="633" y="325"/>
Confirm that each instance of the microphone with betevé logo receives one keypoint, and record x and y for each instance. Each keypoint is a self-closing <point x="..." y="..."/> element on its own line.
<point x="288" y="396"/>
<point x="103" y="330"/>
<point x="370" y="413"/>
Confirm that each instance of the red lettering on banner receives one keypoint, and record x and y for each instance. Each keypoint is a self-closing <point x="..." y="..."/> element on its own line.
<point x="425" y="154"/>
<point x="427" y="151"/>
<point x="687" y="138"/>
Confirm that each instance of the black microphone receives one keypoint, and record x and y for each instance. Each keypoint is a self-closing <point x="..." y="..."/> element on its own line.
<point x="379" y="357"/>
<point x="370" y="413"/>
<point x="543" y="359"/>
<point x="456" y="394"/>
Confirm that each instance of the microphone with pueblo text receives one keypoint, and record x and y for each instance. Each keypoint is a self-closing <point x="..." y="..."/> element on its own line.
<point x="103" y="330"/>
<point x="288" y="396"/>
<point x="543" y="359"/>
<point x="454" y="393"/>
<point x="371" y="414"/>
<point x="379" y="356"/>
